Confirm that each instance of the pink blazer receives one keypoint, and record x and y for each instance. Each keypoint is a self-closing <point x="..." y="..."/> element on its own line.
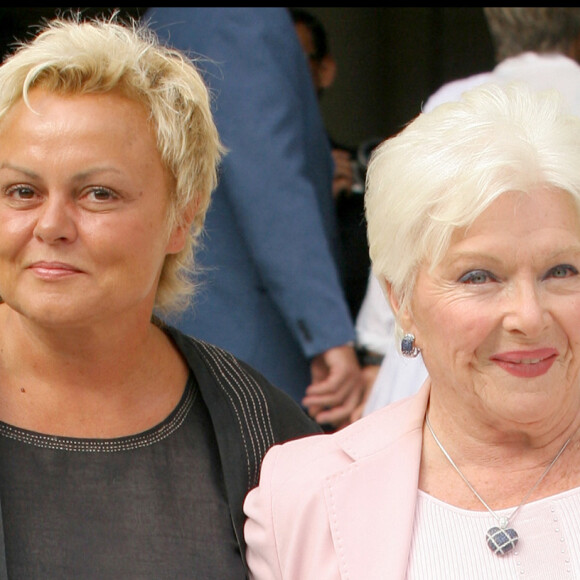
<point x="339" y="506"/>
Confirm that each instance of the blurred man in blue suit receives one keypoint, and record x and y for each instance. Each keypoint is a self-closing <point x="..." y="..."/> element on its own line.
<point x="271" y="293"/>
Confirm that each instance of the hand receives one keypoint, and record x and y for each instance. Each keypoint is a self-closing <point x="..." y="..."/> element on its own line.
<point x="369" y="376"/>
<point x="337" y="387"/>
<point x="343" y="173"/>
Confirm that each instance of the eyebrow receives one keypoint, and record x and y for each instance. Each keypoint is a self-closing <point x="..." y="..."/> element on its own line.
<point x="28" y="172"/>
<point x="77" y="177"/>
<point x="454" y="257"/>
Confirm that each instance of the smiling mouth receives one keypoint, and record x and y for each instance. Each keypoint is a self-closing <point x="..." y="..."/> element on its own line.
<point x="526" y="367"/>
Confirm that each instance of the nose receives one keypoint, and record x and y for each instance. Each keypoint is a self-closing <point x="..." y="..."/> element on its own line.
<point x="56" y="222"/>
<point x="525" y="311"/>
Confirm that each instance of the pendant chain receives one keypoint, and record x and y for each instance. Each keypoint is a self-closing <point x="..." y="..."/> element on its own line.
<point x="503" y="522"/>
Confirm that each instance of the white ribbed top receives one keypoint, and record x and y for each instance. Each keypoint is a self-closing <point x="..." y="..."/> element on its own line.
<point x="449" y="543"/>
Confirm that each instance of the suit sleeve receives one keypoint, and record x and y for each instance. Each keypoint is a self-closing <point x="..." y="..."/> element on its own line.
<point x="278" y="172"/>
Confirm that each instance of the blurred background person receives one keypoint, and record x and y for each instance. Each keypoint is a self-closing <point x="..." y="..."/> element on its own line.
<point x="537" y="45"/>
<point x="473" y="214"/>
<point x="271" y="292"/>
<point x="348" y="180"/>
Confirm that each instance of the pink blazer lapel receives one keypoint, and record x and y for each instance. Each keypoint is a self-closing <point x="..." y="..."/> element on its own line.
<point x="371" y="503"/>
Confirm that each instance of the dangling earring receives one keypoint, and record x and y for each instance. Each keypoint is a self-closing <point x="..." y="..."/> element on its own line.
<point x="408" y="347"/>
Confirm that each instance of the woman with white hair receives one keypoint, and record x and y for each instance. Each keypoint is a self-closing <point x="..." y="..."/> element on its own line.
<point x="474" y="228"/>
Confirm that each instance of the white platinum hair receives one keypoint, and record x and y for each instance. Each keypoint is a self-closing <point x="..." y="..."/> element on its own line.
<point x="447" y="166"/>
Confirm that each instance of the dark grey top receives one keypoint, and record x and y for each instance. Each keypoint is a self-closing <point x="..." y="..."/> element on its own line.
<point x="151" y="505"/>
<point x="209" y="452"/>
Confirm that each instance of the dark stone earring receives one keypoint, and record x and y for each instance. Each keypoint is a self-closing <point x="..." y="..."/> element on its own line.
<point x="408" y="347"/>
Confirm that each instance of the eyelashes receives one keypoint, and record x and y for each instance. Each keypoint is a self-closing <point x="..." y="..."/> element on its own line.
<point x="477" y="277"/>
<point x="480" y="276"/>
<point x="561" y="271"/>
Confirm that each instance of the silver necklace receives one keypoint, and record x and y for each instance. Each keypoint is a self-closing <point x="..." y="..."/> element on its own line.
<point x="500" y="538"/>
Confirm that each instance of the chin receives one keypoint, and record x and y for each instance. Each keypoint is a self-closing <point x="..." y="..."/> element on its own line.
<point x="54" y="311"/>
<point x="529" y="406"/>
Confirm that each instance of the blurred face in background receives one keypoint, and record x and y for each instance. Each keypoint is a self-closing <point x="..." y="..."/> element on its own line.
<point x="322" y="67"/>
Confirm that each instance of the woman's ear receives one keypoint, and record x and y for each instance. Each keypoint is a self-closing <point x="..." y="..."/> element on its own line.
<point x="178" y="236"/>
<point x="402" y="314"/>
<point x="393" y="298"/>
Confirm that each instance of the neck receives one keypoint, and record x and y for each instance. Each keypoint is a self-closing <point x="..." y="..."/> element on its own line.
<point x="60" y="351"/>
<point x="484" y="464"/>
<point x="83" y="382"/>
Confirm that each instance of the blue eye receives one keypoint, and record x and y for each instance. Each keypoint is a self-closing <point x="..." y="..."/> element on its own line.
<point x="561" y="271"/>
<point x="477" y="277"/>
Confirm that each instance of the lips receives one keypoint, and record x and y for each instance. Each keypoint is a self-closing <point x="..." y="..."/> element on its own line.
<point x="53" y="270"/>
<point x="527" y="364"/>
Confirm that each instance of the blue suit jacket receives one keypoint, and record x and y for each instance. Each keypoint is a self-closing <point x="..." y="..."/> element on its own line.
<point x="270" y="291"/>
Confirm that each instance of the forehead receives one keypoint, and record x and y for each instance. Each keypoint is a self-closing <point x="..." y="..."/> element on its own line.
<point x="544" y="219"/>
<point x="106" y="116"/>
<point x="517" y="210"/>
<point x="74" y="134"/>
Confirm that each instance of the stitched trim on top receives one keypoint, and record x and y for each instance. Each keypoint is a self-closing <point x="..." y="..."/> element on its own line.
<point x="247" y="401"/>
<point x="149" y="437"/>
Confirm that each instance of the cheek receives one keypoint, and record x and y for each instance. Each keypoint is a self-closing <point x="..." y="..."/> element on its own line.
<point x="147" y="247"/>
<point x="137" y="244"/>
<point x="453" y="326"/>
<point x="567" y="316"/>
<point x="14" y="226"/>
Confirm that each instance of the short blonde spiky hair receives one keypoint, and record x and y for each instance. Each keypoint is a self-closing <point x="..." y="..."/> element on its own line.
<point x="74" y="56"/>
